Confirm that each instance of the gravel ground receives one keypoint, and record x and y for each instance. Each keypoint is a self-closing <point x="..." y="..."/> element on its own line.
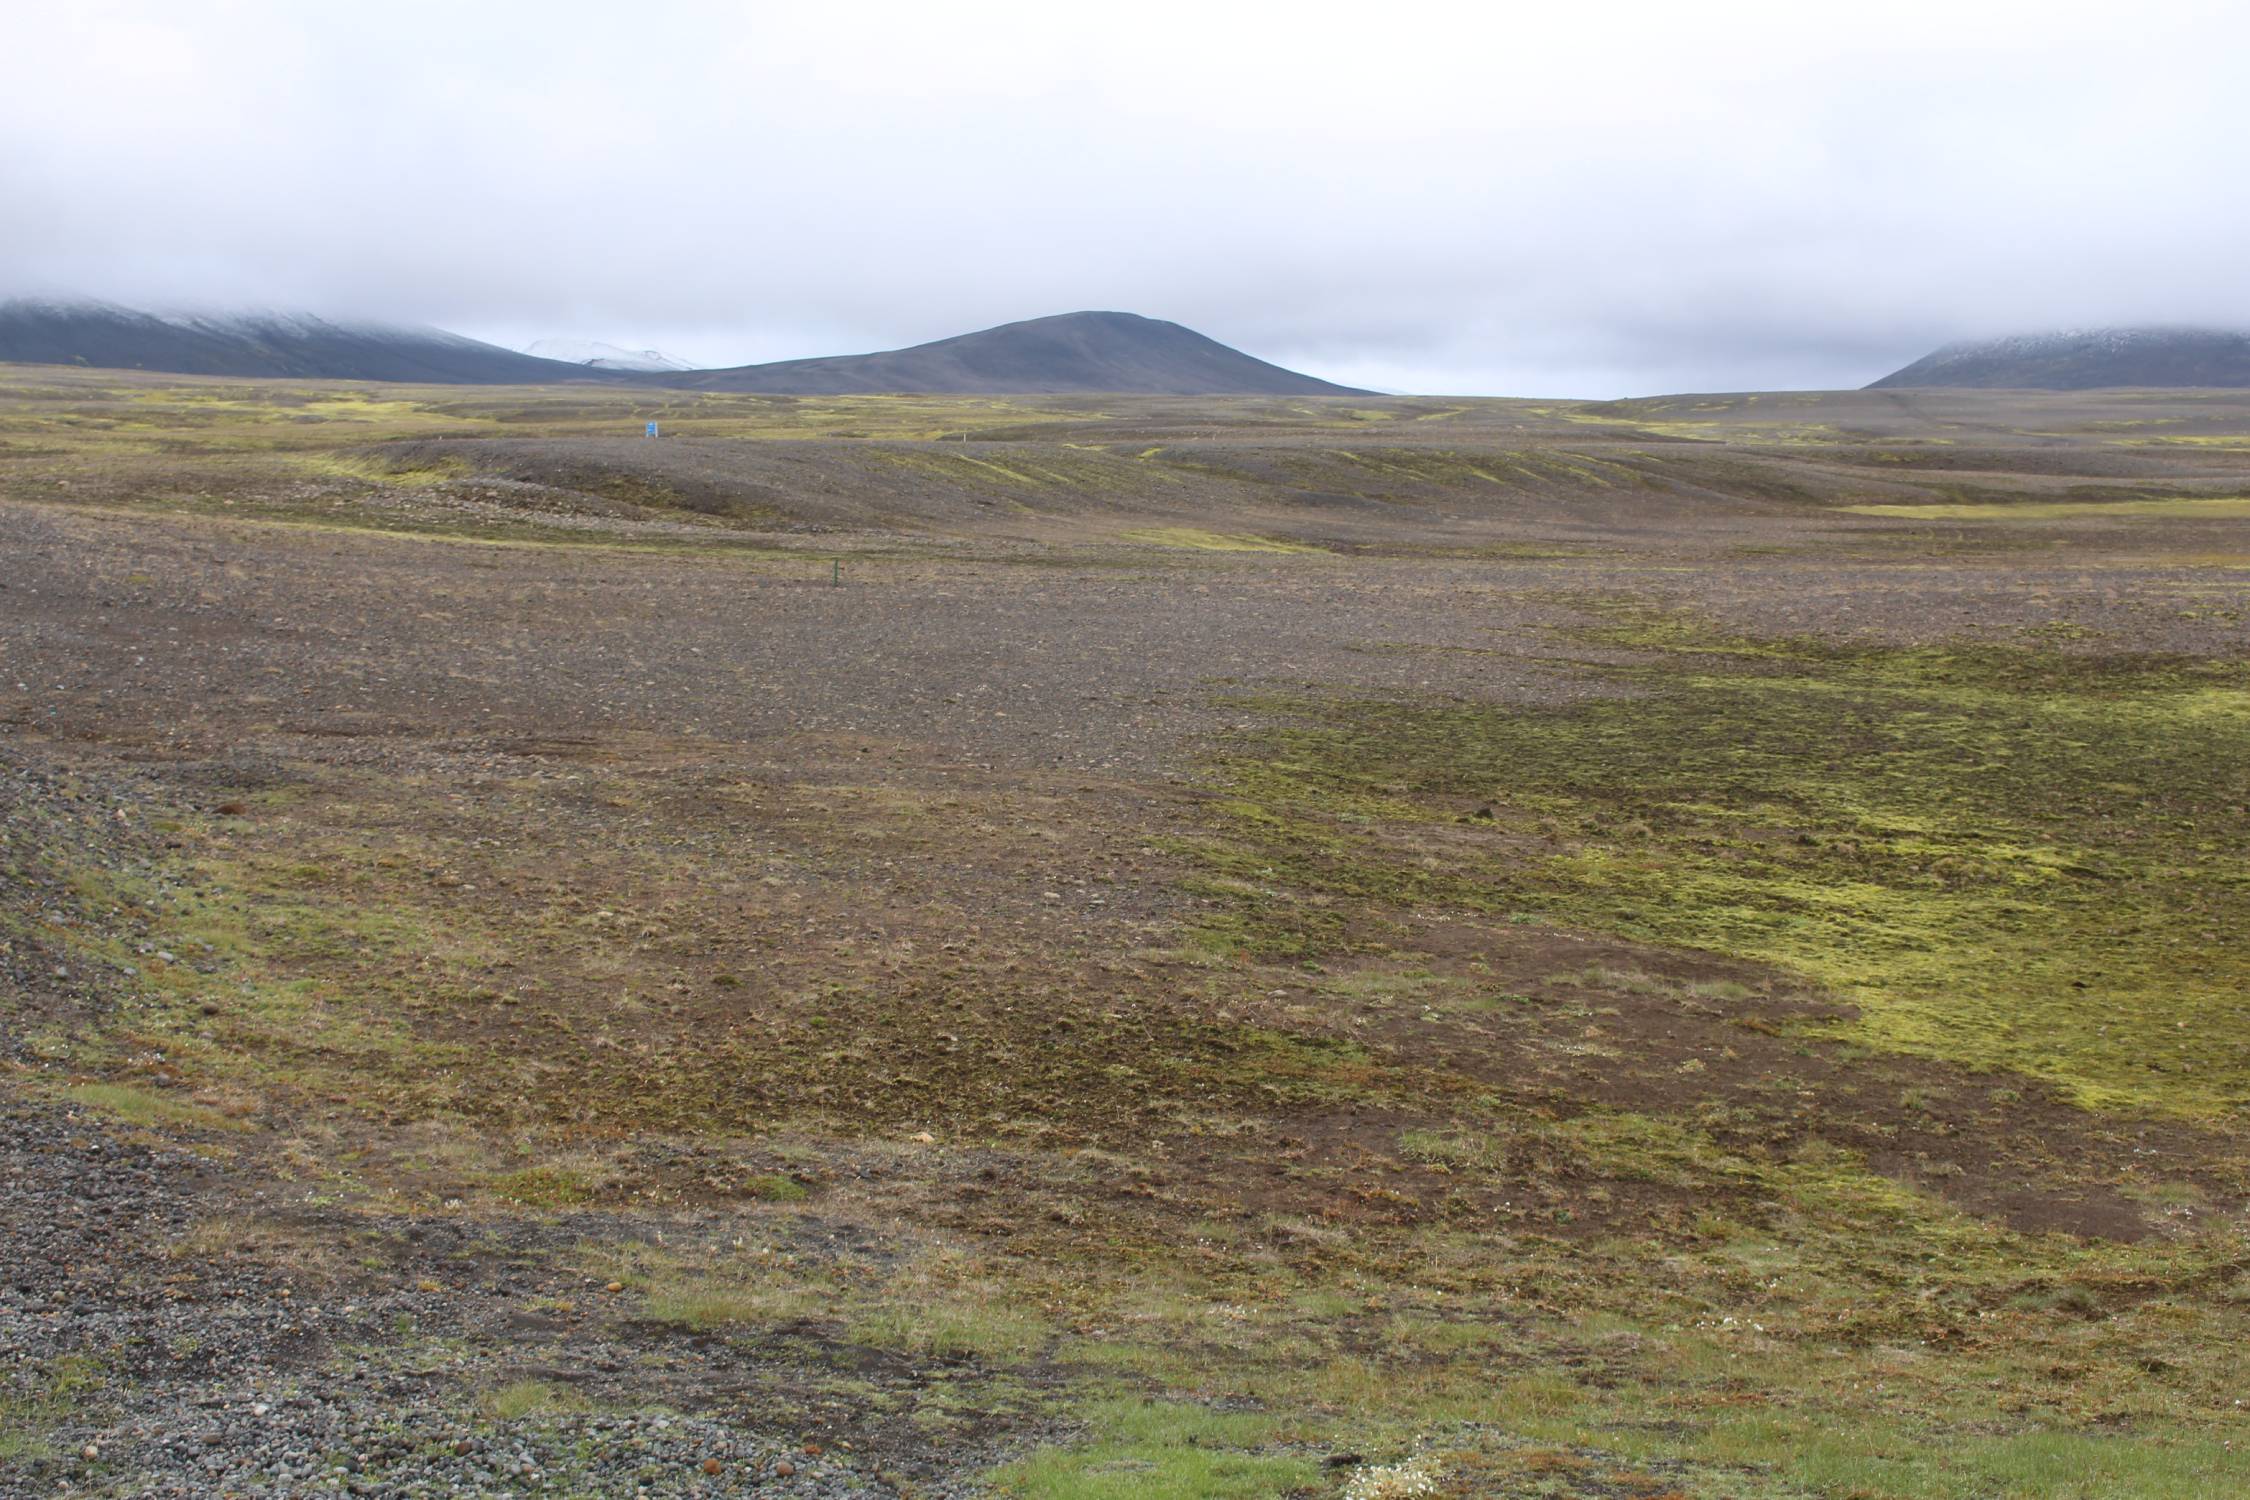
<point x="220" y="1377"/>
<point x="146" y="660"/>
<point x="161" y="1341"/>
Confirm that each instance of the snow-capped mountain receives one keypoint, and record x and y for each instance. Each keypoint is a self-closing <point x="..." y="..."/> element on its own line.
<point x="599" y="356"/>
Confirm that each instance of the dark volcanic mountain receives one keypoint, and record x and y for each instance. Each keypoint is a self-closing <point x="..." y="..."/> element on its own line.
<point x="1082" y="351"/>
<point x="258" y="344"/>
<point x="2085" y="360"/>
<point x="1088" y="351"/>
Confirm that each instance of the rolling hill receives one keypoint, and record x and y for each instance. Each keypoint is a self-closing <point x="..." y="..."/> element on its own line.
<point x="1081" y="351"/>
<point x="2086" y="359"/>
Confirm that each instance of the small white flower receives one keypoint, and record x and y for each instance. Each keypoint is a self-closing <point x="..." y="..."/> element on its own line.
<point x="1392" y="1481"/>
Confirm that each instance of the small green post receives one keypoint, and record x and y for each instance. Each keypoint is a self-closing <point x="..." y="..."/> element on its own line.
<point x="836" y="574"/>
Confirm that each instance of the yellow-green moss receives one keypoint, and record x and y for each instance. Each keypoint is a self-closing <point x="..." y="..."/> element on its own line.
<point x="1213" y="541"/>
<point x="2006" y="858"/>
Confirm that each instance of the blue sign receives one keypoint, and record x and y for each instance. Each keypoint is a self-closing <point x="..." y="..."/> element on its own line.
<point x="652" y="429"/>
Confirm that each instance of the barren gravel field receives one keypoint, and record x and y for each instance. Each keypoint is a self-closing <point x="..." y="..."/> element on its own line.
<point x="1345" y="947"/>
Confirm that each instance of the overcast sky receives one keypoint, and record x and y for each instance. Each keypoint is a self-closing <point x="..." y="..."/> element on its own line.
<point x="1609" y="199"/>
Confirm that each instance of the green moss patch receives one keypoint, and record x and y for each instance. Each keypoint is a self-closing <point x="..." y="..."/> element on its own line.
<point x="2003" y="858"/>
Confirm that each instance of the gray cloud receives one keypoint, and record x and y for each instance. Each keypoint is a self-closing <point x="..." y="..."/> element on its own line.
<point x="1486" y="198"/>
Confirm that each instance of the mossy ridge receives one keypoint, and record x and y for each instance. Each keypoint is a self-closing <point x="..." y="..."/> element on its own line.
<point x="2005" y="857"/>
<point x="376" y="469"/>
<point x="341" y="976"/>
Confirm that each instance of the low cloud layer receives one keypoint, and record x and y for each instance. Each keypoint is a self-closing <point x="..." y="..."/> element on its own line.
<point x="1489" y="199"/>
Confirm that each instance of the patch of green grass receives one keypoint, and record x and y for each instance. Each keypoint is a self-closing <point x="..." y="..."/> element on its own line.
<point x="529" y="1398"/>
<point x="40" y="1399"/>
<point x="149" y="1109"/>
<point x="1161" y="1450"/>
<point x="774" y="1188"/>
<point x="717" y="1304"/>
<point x="951" y="1325"/>
<point x="1862" y="1458"/>
<point x="544" y="1187"/>
<point x="715" y="1290"/>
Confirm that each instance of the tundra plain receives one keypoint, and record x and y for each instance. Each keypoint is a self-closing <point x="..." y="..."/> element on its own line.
<point x="1089" y="947"/>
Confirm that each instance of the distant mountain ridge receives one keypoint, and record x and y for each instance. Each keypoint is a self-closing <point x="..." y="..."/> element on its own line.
<point x="2086" y="359"/>
<point x="1088" y="352"/>
<point x="258" y="343"/>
